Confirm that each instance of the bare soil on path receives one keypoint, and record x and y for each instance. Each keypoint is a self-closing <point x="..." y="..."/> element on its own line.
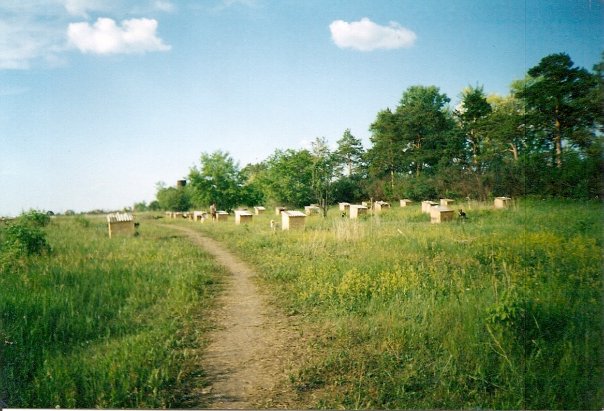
<point x="253" y="347"/>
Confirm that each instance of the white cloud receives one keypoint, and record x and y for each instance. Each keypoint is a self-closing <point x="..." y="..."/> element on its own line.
<point x="365" y="35"/>
<point x="22" y="40"/>
<point x="163" y="5"/>
<point x="81" y="8"/>
<point x="106" y="37"/>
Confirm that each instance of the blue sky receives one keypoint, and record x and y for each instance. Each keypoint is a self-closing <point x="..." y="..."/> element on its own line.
<point x="101" y="99"/>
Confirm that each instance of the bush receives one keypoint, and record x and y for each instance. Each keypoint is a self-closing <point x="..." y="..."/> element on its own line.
<point x="34" y="218"/>
<point x="25" y="240"/>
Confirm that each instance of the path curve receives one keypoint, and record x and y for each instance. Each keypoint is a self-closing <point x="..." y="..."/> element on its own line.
<point x="252" y="349"/>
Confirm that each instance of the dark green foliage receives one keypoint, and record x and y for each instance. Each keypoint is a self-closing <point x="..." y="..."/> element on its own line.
<point x="24" y="236"/>
<point x="24" y="239"/>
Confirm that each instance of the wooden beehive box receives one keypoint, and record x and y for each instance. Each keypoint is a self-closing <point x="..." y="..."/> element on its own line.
<point x="427" y="205"/>
<point x="120" y="224"/>
<point x="259" y="210"/>
<point x="356" y="210"/>
<point x="278" y="210"/>
<point x="310" y="209"/>
<point x="292" y="220"/>
<point x="503" y="202"/>
<point x="438" y="214"/>
<point x="222" y="216"/>
<point x="380" y="205"/>
<point x="243" y="217"/>
<point x="405" y="202"/>
<point x="445" y="202"/>
<point x="199" y="215"/>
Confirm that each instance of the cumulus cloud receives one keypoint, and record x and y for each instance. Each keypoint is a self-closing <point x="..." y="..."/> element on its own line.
<point x="106" y="37"/>
<point x="365" y="35"/>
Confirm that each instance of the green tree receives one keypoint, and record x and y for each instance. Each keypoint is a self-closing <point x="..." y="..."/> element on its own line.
<point x="425" y="125"/>
<point x="217" y="180"/>
<point x="349" y="153"/>
<point x="286" y="177"/>
<point x="323" y="163"/>
<point x="172" y="198"/>
<point x="472" y="114"/>
<point x="385" y="155"/>
<point x="559" y="101"/>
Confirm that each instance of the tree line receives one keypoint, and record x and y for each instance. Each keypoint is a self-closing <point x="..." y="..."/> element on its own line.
<point x="544" y="138"/>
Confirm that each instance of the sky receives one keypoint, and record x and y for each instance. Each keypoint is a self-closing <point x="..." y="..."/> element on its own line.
<point x="102" y="99"/>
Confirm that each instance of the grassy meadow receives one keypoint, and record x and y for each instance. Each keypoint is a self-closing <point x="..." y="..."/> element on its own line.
<point x="503" y="310"/>
<point x="99" y="322"/>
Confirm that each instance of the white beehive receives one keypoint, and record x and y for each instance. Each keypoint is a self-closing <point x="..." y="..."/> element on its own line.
<point x="427" y="205"/>
<point x="357" y="210"/>
<point x="292" y="220"/>
<point x="243" y="217"/>
<point x="503" y="202"/>
<point x="438" y="214"/>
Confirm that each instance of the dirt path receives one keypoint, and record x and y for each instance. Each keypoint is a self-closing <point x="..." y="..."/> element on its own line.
<point x="253" y="347"/>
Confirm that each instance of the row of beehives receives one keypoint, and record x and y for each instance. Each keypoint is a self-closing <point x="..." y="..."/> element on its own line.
<point x="289" y="219"/>
<point x="439" y="212"/>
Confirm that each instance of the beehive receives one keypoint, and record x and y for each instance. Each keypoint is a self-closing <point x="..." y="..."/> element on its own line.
<point x="380" y="205"/>
<point x="427" y="205"/>
<point x="292" y="220"/>
<point x="120" y="224"/>
<point x="344" y="207"/>
<point x="199" y="215"/>
<point x="503" y="202"/>
<point x="445" y="202"/>
<point x="405" y="202"/>
<point x="308" y="210"/>
<point x="279" y="209"/>
<point x="438" y="214"/>
<point x="243" y="217"/>
<point x="356" y="210"/>
<point x="259" y="210"/>
<point x="222" y="216"/>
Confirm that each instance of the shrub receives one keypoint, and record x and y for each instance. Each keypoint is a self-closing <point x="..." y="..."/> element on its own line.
<point x="25" y="240"/>
<point x="34" y="218"/>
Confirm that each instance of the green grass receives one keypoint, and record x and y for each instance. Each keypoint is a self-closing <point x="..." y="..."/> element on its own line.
<point x="501" y="311"/>
<point x="102" y="322"/>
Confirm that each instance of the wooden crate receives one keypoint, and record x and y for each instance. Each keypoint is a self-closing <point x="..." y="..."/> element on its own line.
<point x="503" y="202"/>
<point x="278" y="210"/>
<point x="427" y="205"/>
<point x="356" y="210"/>
<point x="120" y="224"/>
<point x="292" y="220"/>
<point x="310" y="209"/>
<point x="259" y="210"/>
<point x="445" y="202"/>
<point x="405" y="202"/>
<point x="438" y="214"/>
<point x="344" y="207"/>
<point x="243" y="217"/>
<point x="380" y="205"/>
<point x="222" y="216"/>
<point x="199" y="216"/>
